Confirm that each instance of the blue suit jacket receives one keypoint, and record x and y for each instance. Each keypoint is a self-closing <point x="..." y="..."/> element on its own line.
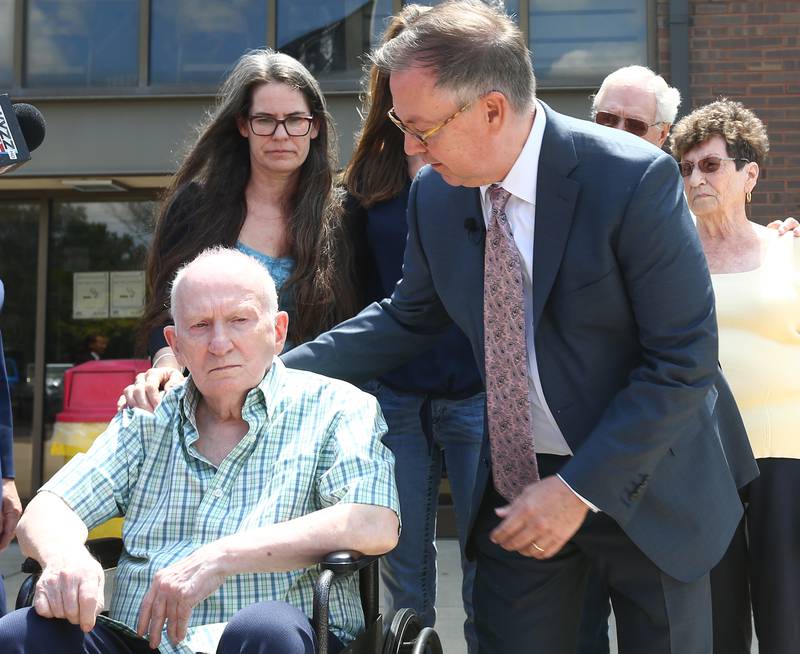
<point x="6" y="442"/>
<point x="625" y="334"/>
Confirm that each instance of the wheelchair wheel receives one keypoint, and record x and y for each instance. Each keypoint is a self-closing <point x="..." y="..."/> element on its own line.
<point x="427" y="642"/>
<point x="404" y="634"/>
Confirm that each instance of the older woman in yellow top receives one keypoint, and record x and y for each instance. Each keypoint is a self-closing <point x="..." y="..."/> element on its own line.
<point x="756" y="278"/>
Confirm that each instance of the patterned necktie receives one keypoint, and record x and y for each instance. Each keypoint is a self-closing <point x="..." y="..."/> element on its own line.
<point x="508" y="407"/>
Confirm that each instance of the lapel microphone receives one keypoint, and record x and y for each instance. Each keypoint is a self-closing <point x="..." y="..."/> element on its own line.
<point x="474" y="233"/>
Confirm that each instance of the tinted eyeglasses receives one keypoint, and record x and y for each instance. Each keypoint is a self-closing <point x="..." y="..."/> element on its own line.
<point x="294" y="125"/>
<point x="709" y="164"/>
<point x="632" y="125"/>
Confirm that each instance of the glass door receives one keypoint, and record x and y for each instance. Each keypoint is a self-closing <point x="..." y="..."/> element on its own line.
<point x="19" y="239"/>
<point x="95" y="296"/>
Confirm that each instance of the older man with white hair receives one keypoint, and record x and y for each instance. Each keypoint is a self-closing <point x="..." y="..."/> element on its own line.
<point x="637" y="100"/>
<point x="232" y="491"/>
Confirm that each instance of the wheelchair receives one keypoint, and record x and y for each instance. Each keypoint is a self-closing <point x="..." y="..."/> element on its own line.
<point x="404" y="636"/>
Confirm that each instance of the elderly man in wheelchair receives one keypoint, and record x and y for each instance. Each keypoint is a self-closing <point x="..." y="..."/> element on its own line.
<point x="232" y="492"/>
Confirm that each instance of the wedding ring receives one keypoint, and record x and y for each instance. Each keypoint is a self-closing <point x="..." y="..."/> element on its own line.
<point x="536" y="547"/>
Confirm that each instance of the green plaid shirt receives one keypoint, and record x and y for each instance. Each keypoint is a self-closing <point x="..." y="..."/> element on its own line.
<point x="312" y="442"/>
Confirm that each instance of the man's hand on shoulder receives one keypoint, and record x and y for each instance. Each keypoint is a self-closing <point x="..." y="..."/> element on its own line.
<point x="71" y="587"/>
<point x="541" y="520"/>
<point x="148" y="389"/>
<point x="785" y="226"/>
<point x="176" y="590"/>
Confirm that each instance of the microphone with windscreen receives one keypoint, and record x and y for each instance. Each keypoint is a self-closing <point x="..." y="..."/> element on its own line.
<point x="22" y="130"/>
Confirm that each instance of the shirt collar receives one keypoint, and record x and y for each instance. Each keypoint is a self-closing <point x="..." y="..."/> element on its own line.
<point x="267" y="393"/>
<point x="521" y="179"/>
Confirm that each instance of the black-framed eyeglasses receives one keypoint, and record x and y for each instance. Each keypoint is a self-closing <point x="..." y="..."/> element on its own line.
<point x="633" y="125"/>
<point x="707" y="165"/>
<point x="267" y="125"/>
<point x="423" y="137"/>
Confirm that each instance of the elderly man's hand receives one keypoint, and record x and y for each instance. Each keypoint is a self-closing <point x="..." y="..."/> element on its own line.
<point x="10" y="512"/>
<point x="148" y="389"/>
<point x="784" y="226"/>
<point x="176" y="590"/>
<point x="541" y="520"/>
<point x="71" y="588"/>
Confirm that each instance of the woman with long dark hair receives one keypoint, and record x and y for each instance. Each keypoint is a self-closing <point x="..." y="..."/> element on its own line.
<point x="260" y="178"/>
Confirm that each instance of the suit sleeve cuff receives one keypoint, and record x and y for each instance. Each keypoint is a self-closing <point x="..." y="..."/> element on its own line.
<point x="591" y="506"/>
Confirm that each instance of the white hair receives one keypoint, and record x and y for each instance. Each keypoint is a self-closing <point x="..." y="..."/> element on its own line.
<point x="230" y="263"/>
<point x="668" y="98"/>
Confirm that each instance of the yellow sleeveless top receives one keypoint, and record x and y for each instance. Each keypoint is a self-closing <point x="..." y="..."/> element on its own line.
<point x="759" y="347"/>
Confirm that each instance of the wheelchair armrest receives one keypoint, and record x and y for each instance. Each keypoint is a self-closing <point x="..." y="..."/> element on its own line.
<point x="339" y="563"/>
<point x="31" y="566"/>
<point x="345" y="561"/>
<point x="105" y="550"/>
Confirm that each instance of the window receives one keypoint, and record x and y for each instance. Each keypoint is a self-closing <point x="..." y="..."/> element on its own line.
<point x="6" y="43"/>
<point x="91" y="244"/>
<point x="512" y="6"/>
<point x="578" y="42"/>
<point x="198" y="41"/>
<point x="330" y="38"/>
<point x="83" y="43"/>
<point x="382" y="12"/>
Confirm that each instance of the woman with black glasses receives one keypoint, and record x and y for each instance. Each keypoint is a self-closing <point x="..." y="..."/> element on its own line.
<point x="756" y="277"/>
<point x="260" y="178"/>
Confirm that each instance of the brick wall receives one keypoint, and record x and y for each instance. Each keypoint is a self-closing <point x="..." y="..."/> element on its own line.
<point x="750" y="51"/>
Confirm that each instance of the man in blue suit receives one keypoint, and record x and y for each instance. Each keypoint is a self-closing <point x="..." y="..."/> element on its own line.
<point x="10" y="506"/>
<point x="625" y="400"/>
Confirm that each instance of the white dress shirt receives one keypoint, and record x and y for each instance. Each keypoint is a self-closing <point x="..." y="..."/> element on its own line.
<point x="521" y="213"/>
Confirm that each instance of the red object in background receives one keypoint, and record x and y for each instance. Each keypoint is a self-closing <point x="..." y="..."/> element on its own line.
<point x="91" y="390"/>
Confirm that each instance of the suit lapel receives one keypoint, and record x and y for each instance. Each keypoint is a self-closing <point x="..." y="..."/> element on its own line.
<point x="556" y="195"/>
<point x="471" y="267"/>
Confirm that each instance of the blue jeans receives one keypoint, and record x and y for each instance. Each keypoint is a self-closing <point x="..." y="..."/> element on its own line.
<point x="424" y="433"/>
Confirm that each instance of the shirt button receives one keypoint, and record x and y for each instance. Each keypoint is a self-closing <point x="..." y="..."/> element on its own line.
<point x="217" y="492"/>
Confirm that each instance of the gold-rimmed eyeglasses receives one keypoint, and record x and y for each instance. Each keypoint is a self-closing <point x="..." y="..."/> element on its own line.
<point x="423" y="137"/>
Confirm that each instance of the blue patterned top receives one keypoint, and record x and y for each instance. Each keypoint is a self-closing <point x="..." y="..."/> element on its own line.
<point x="279" y="268"/>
